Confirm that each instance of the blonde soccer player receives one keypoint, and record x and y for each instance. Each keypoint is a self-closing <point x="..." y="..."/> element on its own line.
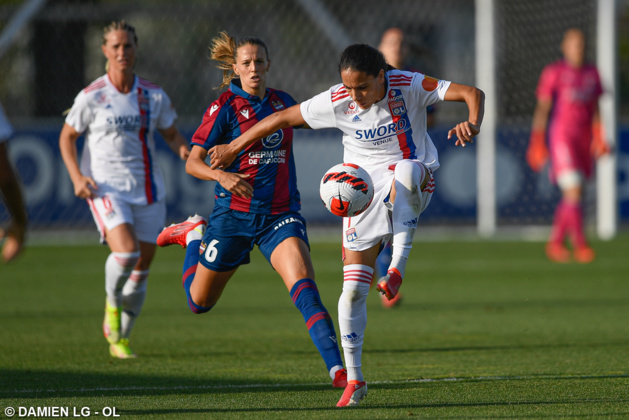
<point x="119" y="114"/>
<point x="382" y="115"/>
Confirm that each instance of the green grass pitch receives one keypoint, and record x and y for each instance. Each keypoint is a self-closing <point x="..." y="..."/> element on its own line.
<point x="487" y="329"/>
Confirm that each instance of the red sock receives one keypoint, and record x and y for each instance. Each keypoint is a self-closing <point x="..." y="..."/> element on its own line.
<point x="574" y="216"/>
<point x="558" y="231"/>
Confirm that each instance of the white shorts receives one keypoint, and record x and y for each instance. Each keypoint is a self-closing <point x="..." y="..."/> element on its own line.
<point x="375" y="225"/>
<point x="147" y="220"/>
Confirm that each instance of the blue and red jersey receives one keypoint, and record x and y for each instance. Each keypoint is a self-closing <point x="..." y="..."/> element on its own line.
<point x="269" y="162"/>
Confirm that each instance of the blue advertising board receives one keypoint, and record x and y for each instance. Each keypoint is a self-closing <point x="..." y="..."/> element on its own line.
<point x="523" y="197"/>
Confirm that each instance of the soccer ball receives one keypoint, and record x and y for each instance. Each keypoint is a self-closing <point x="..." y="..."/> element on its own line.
<point x="346" y="190"/>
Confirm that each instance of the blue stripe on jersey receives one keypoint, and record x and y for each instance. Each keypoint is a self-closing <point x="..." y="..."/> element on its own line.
<point x="398" y="110"/>
<point x="145" y="120"/>
<point x="269" y="162"/>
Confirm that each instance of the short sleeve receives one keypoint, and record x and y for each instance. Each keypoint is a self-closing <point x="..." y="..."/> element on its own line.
<point x="80" y="115"/>
<point x="215" y="122"/>
<point x="429" y="89"/>
<point x="167" y="115"/>
<point x="546" y="84"/>
<point x="318" y="111"/>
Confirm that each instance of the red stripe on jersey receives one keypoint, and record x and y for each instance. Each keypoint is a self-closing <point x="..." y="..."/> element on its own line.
<point x="398" y="77"/>
<point x="98" y="84"/>
<point x="147" y="84"/>
<point x="338" y="98"/>
<point x="143" y="104"/>
<point x="209" y="117"/>
<point x="339" y="94"/>
<point x="400" y="80"/>
<point x="281" y="193"/>
<point x="247" y="118"/>
<point x="395" y="84"/>
<point x="402" y="139"/>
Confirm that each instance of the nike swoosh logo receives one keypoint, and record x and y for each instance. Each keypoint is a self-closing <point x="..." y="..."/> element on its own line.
<point x="341" y="206"/>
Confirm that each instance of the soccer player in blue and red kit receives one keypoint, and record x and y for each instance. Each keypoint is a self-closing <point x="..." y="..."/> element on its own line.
<point x="257" y="201"/>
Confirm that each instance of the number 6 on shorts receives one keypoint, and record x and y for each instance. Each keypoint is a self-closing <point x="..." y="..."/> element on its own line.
<point x="211" y="252"/>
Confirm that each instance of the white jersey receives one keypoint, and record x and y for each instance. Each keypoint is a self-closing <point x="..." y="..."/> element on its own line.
<point x="119" y="152"/>
<point x="390" y="130"/>
<point x="6" y="130"/>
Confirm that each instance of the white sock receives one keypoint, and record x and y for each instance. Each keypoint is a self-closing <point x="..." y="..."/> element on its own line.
<point x="133" y="295"/>
<point x="118" y="268"/>
<point x="353" y="316"/>
<point x="406" y="210"/>
<point x="334" y="370"/>
<point x="195" y="234"/>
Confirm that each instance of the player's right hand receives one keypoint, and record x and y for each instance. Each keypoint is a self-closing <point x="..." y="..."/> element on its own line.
<point x="221" y="156"/>
<point x="235" y="184"/>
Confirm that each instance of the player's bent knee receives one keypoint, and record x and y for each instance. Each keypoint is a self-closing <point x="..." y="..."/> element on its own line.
<point x="409" y="174"/>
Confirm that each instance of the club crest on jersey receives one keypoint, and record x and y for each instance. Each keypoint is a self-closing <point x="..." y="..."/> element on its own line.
<point x="350" y="234"/>
<point x="100" y="98"/>
<point x="396" y="103"/>
<point x="274" y="140"/>
<point x="144" y="101"/>
<point x="352" y="108"/>
<point x="277" y="105"/>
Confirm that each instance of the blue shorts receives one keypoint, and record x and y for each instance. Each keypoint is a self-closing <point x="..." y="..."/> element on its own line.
<point x="231" y="235"/>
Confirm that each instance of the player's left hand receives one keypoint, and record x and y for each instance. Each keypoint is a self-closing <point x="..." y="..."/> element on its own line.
<point x="464" y="132"/>
<point x="221" y="156"/>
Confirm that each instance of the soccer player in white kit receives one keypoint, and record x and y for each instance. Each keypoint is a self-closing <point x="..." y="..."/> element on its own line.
<point x="118" y="175"/>
<point x="382" y="114"/>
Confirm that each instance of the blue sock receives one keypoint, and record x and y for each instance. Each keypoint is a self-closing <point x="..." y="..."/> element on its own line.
<point x="189" y="270"/>
<point x="306" y="298"/>
<point x="383" y="261"/>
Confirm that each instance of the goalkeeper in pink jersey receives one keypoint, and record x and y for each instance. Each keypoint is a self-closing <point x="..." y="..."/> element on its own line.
<point x="567" y="110"/>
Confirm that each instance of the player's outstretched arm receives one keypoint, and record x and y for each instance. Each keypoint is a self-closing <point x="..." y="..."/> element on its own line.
<point x="474" y="98"/>
<point x="223" y="155"/>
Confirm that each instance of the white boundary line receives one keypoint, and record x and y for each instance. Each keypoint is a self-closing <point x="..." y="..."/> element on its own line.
<point x="257" y="386"/>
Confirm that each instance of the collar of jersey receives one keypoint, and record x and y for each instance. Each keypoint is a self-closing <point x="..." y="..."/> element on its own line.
<point x="236" y="87"/>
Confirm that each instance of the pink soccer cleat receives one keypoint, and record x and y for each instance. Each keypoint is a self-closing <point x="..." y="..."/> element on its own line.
<point x="389" y="285"/>
<point x="177" y="232"/>
<point x="340" y="379"/>
<point x="353" y="394"/>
